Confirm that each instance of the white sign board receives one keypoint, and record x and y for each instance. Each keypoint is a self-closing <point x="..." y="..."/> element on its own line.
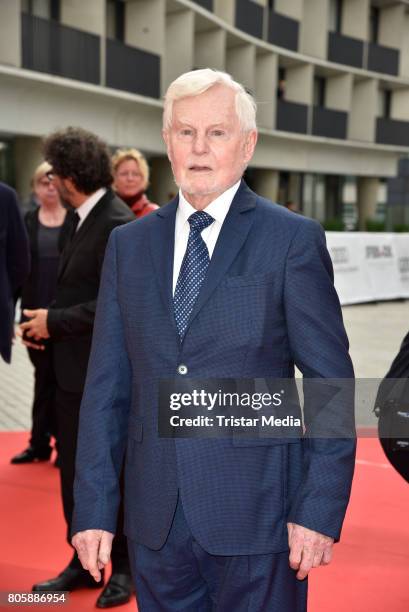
<point x="369" y="266"/>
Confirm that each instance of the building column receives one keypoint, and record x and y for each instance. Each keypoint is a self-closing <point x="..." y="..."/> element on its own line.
<point x="178" y="58"/>
<point x="355" y="20"/>
<point x="10" y="33"/>
<point x="266" y="183"/>
<point x="294" y="188"/>
<point x="27" y="155"/>
<point x="362" y="118"/>
<point x="367" y="199"/>
<point x="162" y="185"/>
<point x="87" y="16"/>
<point x="313" y="37"/>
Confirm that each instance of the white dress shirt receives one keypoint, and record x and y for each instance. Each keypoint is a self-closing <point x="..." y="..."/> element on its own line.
<point x="86" y="207"/>
<point x="217" y="209"/>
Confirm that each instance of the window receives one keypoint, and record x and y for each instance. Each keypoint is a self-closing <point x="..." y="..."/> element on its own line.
<point x="374" y="24"/>
<point x="281" y="84"/>
<point x="319" y="91"/>
<point x="47" y="9"/>
<point x="55" y="9"/>
<point x="335" y="16"/>
<point x="116" y="20"/>
<point x="384" y="103"/>
<point x="7" y="162"/>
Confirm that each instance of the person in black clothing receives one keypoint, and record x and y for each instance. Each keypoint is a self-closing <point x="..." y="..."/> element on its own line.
<point x="14" y="264"/>
<point x="81" y="171"/>
<point x="392" y="409"/>
<point x="47" y="231"/>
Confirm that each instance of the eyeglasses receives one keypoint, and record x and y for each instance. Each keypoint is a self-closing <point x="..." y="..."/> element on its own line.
<point x="45" y="181"/>
<point x="131" y="174"/>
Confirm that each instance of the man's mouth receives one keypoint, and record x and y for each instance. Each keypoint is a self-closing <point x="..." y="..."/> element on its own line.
<point x="196" y="168"/>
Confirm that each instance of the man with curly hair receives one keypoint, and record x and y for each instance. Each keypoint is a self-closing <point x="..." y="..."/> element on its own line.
<point x="81" y="171"/>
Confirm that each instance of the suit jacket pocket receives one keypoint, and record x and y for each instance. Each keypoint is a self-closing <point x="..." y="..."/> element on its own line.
<point x="248" y="280"/>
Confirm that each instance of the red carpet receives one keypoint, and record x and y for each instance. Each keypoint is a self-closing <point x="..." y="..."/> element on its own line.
<point x="32" y="528"/>
<point x="370" y="572"/>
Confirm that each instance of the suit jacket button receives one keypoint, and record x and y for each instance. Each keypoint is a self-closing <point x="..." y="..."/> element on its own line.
<point x="182" y="369"/>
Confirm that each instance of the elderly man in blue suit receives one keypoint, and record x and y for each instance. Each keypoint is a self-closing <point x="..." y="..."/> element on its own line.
<point x="231" y="286"/>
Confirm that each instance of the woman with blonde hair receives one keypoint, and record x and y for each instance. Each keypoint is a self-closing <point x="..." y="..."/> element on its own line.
<point x="47" y="232"/>
<point x="131" y="179"/>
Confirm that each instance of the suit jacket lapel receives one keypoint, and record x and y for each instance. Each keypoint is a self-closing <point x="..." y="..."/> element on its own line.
<point x="232" y="236"/>
<point x="82" y="231"/>
<point x="162" y="246"/>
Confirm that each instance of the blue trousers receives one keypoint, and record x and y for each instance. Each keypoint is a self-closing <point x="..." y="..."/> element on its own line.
<point x="183" y="577"/>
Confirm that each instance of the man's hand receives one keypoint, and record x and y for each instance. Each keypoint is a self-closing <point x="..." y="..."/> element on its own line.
<point x="37" y="327"/>
<point x="94" y="550"/>
<point x="37" y="347"/>
<point x="308" y="549"/>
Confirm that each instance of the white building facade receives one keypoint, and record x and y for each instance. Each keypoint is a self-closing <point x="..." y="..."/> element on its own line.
<point x="331" y="79"/>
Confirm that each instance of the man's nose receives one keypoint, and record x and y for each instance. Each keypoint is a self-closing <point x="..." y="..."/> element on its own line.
<point x="200" y="144"/>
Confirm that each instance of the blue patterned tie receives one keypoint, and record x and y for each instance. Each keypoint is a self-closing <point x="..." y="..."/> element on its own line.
<point x="193" y="270"/>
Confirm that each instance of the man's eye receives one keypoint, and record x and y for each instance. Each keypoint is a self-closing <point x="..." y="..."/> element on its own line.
<point x="218" y="133"/>
<point x="186" y="132"/>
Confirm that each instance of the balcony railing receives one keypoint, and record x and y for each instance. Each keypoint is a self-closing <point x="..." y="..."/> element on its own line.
<point x="132" y="69"/>
<point x="48" y="46"/>
<point x="249" y="17"/>
<point x="292" y="117"/>
<point x="392" y="132"/>
<point x="383" y="59"/>
<point x="345" y="50"/>
<point x="283" y="31"/>
<point x="207" y="4"/>
<point x="329" y="123"/>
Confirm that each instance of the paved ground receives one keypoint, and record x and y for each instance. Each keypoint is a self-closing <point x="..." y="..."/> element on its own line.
<point x="375" y="332"/>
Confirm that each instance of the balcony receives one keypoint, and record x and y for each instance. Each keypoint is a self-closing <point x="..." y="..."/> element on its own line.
<point x="131" y="69"/>
<point x="345" y="50"/>
<point x="249" y="17"/>
<point x="206" y="4"/>
<point x="48" y="46"/>
<point x="329" y="123"/>
<point x="392" y="132"/>
<point x="283" y="31"/>
<point x="292" y="117"/>
<point x="383" y="59"/>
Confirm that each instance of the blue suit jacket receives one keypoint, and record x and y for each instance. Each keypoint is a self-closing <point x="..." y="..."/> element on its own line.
<point x="14" y="264"/>
<point x="267" y="302"/>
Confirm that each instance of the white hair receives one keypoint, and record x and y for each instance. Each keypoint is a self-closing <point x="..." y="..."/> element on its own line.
<point x="198" y="81"/>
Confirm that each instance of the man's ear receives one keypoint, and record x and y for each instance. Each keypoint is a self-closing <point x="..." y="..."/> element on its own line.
<point x="69" y="185"/>
<point x="165" y="136"/>
<point x="250" y="144"/>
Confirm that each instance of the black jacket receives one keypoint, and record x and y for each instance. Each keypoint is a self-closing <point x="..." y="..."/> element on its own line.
<point x="71" y="316"/>
<point x="14" y="264"/>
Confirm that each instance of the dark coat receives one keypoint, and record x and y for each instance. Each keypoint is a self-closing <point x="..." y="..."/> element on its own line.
<point x="71" y="316"/>
<point x="14" y="264"/>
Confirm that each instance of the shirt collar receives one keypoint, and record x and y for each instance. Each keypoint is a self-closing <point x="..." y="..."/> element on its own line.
<point x="217" y="209"/>
<point x="90" y="202"/>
